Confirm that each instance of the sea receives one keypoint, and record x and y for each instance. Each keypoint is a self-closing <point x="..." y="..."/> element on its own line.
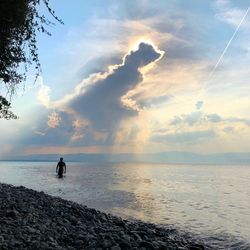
<point x="211" y="202"/>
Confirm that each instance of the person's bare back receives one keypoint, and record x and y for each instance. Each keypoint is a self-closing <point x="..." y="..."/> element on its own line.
<point x="61" y="168"/>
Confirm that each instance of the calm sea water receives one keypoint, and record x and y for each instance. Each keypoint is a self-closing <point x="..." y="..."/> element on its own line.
<point x="213" y="202"/>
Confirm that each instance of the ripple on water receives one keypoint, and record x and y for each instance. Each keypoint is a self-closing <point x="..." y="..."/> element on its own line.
<point x="225" y="241"/>
<point x="209" y="201"/>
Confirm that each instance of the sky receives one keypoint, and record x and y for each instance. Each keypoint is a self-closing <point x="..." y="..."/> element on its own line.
<point x="137" y="76"/>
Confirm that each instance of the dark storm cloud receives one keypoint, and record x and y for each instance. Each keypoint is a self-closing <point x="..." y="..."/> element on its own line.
<point x="101" y="102"/>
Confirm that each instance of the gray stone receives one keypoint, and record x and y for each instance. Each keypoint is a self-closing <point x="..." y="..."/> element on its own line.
<point x="146" y="244"/>
<point x="115" y="248"/>
<point x="33" y="220"/>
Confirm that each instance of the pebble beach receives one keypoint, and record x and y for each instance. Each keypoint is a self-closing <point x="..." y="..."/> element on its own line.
<point x="35" y="220"/>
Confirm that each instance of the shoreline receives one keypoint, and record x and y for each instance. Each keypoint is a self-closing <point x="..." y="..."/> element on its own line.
<point x="35" y="220"/>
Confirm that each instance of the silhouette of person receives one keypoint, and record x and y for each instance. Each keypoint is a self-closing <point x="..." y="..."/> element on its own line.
<point x="60" y="168"/>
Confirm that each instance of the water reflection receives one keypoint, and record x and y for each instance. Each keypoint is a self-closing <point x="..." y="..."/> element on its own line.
<point x="137" y="182"/>
<point x="206" y="200"/>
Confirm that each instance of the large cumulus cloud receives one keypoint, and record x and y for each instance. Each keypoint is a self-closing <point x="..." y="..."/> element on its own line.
<point x="91" y="114"/>
<point x="101" y="103"/>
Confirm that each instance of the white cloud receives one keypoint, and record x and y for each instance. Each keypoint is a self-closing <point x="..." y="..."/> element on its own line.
<point x="231" y="14"/>
<point x="44" y="95"/>
<point x="77" y="136"/>
<point x="192" y="137"/>
<point x="199" y="117"/>
<point x="54" y="120"/>
<point x="80" y="124"/>
<point x="37" y="132"/>
<point x="190" y="119"/>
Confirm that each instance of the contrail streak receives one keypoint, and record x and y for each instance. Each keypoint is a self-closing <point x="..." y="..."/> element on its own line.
<point x="223" y="54"/>
<point x="217" y="63"/>
<point x="229" y="42"/>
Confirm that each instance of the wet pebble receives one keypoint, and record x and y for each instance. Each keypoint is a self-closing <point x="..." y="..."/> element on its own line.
<point x="34" y="220"/>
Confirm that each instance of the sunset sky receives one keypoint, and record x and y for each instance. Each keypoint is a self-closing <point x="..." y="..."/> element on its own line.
<point x="137" y="76"/>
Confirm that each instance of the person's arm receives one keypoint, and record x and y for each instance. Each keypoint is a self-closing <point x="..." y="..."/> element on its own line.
<point x="65" y="168"/>
<point x="57" y="167"/>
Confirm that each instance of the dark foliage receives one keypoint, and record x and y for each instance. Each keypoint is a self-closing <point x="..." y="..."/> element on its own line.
<point x="19" y="23"/>
<point x="4" y="109"/>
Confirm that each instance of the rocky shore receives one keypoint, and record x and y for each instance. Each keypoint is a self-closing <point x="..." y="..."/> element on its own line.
<point x="35" y="220"/>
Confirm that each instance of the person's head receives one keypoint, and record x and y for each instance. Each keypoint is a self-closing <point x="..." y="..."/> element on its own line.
<point x="61" y="159"/>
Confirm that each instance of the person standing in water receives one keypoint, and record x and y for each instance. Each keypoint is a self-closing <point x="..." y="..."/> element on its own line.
<point x="61" y="168"/>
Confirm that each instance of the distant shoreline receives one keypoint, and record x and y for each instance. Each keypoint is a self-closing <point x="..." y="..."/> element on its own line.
<point x="35" y="220"/>
<point x="131" y="162"/>
<point x="159" y="158"/>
